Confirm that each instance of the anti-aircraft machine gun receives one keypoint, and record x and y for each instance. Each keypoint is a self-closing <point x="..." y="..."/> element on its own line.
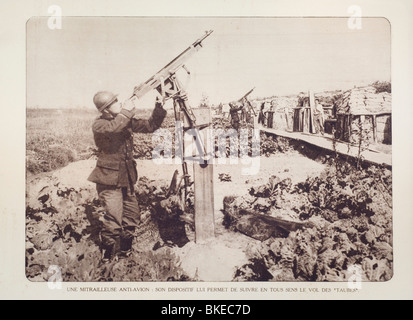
<point x="166" y="82"/>
<point x="244" y="100"/>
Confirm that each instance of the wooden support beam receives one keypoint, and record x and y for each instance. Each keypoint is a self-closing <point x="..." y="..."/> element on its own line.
<point x="204" y="202"/>
<point x="374" y="120"/>
<point x="203" y="187"/>
<point x="349" y="122"/>
<point x="312" y="107"/>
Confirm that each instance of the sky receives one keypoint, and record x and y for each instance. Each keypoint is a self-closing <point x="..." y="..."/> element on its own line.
<point x="277" y="56"/>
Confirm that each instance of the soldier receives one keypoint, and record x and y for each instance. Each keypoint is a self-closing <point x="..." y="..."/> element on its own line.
<point x="319" y="117"/>
<point x="270" y="117"/>
<point x="247" y="111"/>
<point x="115" y="174"/>
<point x="261" y="116"/>
<point x="234" y="115"/>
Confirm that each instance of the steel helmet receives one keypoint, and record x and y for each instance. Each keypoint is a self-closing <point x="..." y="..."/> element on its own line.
<point x="104" y="99"/>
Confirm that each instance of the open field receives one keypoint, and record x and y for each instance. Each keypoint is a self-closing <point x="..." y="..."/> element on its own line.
<point x="347" y="212"/>
<point x="54" y="138"/>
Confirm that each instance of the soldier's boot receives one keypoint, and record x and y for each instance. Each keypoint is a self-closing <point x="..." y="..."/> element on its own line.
<point x="125" y="247"/>
<point x="109" y="253"/>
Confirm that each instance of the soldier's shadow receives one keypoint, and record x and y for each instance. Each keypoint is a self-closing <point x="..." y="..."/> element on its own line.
<point x="171" y="228"/>
<point x="93" y="212"/>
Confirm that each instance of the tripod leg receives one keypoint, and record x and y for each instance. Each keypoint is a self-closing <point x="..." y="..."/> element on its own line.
<point x="184" y="164"/>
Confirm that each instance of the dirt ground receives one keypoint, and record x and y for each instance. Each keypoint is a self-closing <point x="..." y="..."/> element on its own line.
<point x="219" y="258"/>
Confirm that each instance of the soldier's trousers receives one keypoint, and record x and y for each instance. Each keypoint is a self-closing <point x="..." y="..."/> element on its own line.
<point x="122" y="213"/>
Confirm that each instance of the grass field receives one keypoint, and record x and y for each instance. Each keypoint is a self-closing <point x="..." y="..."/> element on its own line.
<point x="55" y="138"/>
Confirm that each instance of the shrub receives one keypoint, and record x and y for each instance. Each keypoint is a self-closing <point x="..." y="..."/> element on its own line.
<point x="272" y="145"/>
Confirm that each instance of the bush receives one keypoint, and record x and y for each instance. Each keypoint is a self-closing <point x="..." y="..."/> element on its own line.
<point x="50" y="159"/>
<point x="273" y="145"/>
<point x="57" y="137"/>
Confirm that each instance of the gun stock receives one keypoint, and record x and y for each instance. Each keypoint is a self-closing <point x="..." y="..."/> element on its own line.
<point x="163" y="75"/>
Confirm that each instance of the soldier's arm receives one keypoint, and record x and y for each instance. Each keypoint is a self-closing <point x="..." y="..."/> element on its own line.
<point x="112" y="126"/>
<point x="153" y="123"/>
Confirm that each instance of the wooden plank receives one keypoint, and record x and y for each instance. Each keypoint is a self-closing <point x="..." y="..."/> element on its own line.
<point x="296" y="120"/>
<point x="202" y="116"/>
<point x="204" y="193"/>
<point x="204" y="202"/>
<point x="342" y="127"/>
<point x="203" y="182"/>
<point x="305" y="121"/>
<point x="312" y="107"/>
<point x="374" y="120"/>
<point x="365" y="113"/>
<point x="260" y="226"/>
<point x="340" y="147"/>
<point x="277" y="222"/>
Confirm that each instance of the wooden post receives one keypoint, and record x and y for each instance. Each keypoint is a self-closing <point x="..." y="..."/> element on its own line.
<point x="312" y="107"/>
<point x="345" y="127"/>
<point x="204" y="202"/>
<point x="203" y="186"/>
<point x="306" y="120"/>
<point x="374" y="120"/>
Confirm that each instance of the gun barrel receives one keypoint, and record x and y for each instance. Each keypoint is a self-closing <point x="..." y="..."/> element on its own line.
<point x="170" y="68"/>
<point x="247" y="94"/>
<point x="199" y="41"/>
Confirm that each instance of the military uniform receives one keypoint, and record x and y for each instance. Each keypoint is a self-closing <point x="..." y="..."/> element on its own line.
<point x="115" y="174"/>
<point x="235" y="121"/>
<point x="319" y="118"/>
<point x="261" y="116"/>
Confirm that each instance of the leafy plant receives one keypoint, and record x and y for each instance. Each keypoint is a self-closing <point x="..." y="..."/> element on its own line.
<point x="352" y="213"/>
<point x="272" y="145"/>
<point x="62" y="228"/>
<point x="224" y="177"/>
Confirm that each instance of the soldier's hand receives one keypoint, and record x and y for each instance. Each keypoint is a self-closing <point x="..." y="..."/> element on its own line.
<point x="159" y="101"/>
<point x="128" y="105"/>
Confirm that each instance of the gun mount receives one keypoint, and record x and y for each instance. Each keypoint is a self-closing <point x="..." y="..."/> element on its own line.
<point x="166" y="82"/>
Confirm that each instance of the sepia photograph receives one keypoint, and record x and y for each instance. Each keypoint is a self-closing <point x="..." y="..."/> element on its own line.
<point x="209" y="149"/>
